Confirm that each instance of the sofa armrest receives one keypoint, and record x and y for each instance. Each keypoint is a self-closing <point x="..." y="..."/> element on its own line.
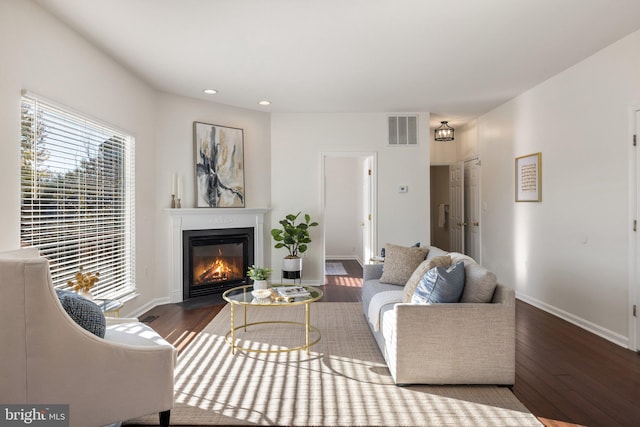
<point x="371" y="271"/>
<point x="504" y="295"/>
<point x="454" y="343"/>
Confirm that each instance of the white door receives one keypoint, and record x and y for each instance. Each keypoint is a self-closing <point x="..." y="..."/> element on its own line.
<point x="369" y="243"/>
<point x="456" y="209"/>
<point x="472" y="208"/>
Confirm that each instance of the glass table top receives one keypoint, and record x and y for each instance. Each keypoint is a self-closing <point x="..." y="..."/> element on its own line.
<point x="275" y="295"/>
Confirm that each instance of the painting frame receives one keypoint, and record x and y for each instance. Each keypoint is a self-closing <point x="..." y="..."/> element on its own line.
<point x="218" y="154"/>
<point x="529" y="178"/>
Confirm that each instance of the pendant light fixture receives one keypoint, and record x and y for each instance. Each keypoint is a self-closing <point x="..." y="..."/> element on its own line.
<point x="444" y="132"/>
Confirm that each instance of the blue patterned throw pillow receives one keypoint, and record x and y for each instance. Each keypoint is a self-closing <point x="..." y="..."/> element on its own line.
<point x="84" y="312"/>
<point x="441" y="285"/>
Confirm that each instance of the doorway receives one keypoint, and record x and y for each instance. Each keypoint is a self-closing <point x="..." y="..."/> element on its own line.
<point x="455" y="207"/>
<point x="440" y="220"/>
<point x="349" y="201"/>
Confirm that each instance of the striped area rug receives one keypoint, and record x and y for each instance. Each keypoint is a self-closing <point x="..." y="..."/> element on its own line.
<point x="343" y="381"/>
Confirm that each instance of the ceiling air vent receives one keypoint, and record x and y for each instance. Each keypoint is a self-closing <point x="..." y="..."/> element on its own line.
<point x="403" y="130"/>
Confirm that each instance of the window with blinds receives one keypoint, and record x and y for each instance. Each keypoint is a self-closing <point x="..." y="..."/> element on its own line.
<point x="77" y="196"/>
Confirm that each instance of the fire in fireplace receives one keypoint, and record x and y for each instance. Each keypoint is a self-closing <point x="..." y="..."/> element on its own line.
<point x="216" y="260"/>
<point x="221" y="267"/>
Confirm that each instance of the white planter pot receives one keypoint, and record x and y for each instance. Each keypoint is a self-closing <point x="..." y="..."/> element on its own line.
<point x="260" y="284"/>
<point x="291" y="268"/>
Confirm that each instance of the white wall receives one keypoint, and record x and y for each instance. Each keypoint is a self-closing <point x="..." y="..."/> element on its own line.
<point x="569" y="253"/>
<point x="467" y="140"/>
<point x="174" y="155"/>
<point x="45" y="57"/>
<point x="343" y="207"/>
<point x="463" y="147"/>
<point x="296" y="143"/>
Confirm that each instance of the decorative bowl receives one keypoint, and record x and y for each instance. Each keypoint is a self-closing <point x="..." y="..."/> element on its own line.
<point x="261" y="293"/>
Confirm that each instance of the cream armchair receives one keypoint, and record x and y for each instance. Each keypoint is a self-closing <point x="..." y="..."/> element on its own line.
<point x="46" y="358"/>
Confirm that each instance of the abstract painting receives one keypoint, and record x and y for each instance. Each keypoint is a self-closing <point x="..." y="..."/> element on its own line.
<point x="219" y="166"/>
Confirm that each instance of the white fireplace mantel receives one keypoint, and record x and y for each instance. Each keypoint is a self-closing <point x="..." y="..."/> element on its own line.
<point x="208" y="219"/>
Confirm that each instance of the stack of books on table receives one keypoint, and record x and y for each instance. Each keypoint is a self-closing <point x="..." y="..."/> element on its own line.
<point x="292" y="291"/>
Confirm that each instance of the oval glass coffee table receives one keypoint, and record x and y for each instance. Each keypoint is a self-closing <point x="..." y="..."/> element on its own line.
<point x="243" y="296"/>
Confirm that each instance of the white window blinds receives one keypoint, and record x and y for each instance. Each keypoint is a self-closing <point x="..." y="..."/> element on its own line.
<point x="77" y="196"/>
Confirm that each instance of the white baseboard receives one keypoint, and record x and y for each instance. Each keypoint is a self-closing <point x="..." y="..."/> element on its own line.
<point x="148" y="306"/>
<point x="349" y="257"/>
<point x="339" y="257"/>
<point x="614" y="337"/>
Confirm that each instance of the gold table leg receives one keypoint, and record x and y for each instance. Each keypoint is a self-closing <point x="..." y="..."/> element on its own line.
<point x="233" y="332"/>
<point x="306" y="322"/>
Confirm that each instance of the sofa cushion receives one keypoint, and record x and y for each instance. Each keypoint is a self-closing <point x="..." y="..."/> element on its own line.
<point x="480" y="283"/>
<point x="418" y="274"/>
<point x="400" y="262"/>
<point x="84" y="312"/>
<point x="378" y="302"/>
<point x="441" y="285"/>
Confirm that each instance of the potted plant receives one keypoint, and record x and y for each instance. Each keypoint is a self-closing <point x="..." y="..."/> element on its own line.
<point x="294" y="237"/>
<point x="260" y="276"/>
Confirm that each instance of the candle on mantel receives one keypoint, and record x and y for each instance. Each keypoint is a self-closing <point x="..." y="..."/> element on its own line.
<point x="173" y="183"/>
<point x="179" y="190"/>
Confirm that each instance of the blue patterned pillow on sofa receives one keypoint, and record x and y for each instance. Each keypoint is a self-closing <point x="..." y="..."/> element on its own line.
<point x="441" y="285"/>
<point x="84" y="312"/>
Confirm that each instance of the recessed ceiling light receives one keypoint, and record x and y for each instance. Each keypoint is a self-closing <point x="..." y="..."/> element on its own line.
<point x="264" y="103"/>
<point x="210" y="91"/>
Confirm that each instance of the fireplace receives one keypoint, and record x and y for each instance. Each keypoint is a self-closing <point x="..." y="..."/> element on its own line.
<point x="216" y="260"/>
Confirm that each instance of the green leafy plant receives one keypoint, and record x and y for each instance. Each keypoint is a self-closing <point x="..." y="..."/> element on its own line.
<point x="292" y="236"/>
<point x="259" y="273"/>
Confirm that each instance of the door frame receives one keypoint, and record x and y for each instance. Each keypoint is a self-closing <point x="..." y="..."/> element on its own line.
<point x="371" y="199"/>
<point x="634" y="237"/>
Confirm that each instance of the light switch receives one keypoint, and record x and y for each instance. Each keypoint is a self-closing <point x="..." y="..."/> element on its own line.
<point x="403" y="189"/>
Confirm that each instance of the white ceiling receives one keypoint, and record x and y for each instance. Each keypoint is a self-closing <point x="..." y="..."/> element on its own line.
<point x="454" y="58"/>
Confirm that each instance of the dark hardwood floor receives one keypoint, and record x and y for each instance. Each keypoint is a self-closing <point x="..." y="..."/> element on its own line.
<point x="565" y="375"/>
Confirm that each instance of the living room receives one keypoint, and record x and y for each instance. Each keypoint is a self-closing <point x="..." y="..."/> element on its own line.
<point x="581" y="117"/>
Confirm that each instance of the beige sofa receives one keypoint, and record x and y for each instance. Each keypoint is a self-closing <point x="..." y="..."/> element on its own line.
<point x="458" y="343"/>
